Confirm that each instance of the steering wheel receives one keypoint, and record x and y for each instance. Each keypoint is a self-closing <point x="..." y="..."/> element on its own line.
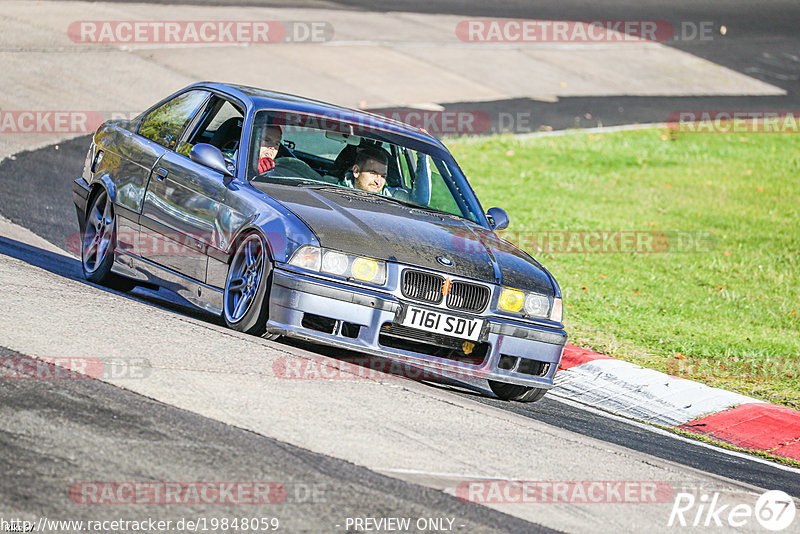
<point x="290" y="151"/>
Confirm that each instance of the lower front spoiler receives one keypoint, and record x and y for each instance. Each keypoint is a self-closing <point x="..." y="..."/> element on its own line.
<point x="294" y="295"/>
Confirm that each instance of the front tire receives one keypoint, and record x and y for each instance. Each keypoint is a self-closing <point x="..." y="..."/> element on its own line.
<point x="513" y="392"/>
<point x="97" y="247"/>
<point x="245" y="302"/>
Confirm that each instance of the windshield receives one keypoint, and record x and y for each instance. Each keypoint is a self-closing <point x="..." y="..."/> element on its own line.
<point x="308" y="150"/>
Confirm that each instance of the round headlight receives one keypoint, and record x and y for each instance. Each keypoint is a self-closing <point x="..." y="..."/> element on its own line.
<point x="511" y="300"/>
<point x="537" y="305"/>
<point x="334" y="262"/>
<point x="365" y="269"/>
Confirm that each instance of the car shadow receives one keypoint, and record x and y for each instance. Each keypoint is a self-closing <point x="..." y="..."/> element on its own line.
<point x="69" y="267"/>
<point x="372" y="367"/>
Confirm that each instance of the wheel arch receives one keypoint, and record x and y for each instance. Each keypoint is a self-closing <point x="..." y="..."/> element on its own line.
<point x="280" y="235"/>
<point x="243" y="232"/>
<point x="102" y="183"/>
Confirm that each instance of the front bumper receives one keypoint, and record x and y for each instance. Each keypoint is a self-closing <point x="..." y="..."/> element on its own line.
<point x="514" y="347"/>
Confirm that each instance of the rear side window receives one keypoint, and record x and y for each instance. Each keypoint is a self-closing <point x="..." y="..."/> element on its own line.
<point x="165" y="124"/>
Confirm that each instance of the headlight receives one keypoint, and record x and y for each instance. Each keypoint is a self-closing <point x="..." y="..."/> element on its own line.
<point x="334" y="262"/>
<point x="368" y="270"/>
<point x="529" y="304"/>
<point x="511" y="300"/>
<point x="340" y="264"/>
<point x="537" y="305"/>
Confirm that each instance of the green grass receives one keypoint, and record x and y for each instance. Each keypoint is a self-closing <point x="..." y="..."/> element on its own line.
<point x="726" y="313"/>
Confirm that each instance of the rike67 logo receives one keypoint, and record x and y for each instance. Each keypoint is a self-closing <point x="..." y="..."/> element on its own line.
<point x="774" y="511"/>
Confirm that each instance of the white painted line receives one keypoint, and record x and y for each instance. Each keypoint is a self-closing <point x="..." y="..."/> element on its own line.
<point x="437" y="475"/>
<point x="558" y="133"/>
<point x="597" y="130"/>
<point x="488" y="46"/>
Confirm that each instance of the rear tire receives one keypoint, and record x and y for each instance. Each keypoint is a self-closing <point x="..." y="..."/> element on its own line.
<point x="97" y="246"/>
<point x="245" y="301"/>
<point x="513" y="392"/>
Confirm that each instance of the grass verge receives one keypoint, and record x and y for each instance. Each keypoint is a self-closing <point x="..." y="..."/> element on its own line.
<point x="678" y="252"/>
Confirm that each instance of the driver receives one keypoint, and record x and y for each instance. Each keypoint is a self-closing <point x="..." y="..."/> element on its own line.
<point x="270" y="141"/>
<point x="369" y="171"/>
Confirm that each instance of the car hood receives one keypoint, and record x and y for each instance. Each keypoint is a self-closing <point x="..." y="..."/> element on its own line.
<point x="365" y="224"/>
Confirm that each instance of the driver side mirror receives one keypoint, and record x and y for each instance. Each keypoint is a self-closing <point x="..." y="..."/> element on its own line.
<point x="211" y="157"/>
<point x="498" y="218"/>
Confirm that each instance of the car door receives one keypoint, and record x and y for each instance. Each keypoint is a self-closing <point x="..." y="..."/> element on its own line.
<point x="130" y="159"/>
<point x="185" y="200"/>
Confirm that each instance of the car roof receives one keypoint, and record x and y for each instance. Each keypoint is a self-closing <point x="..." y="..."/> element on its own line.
<point x="265" y="99"/>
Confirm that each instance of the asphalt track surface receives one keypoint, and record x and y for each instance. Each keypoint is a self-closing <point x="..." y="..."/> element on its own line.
<point x="35" y="193"/>
<point x="761" y="41"/>
<point x="52" y="216"/>
<point x="98" y="432"/>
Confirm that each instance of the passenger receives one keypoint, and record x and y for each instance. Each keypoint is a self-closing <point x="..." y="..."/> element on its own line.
<point x="270" y="141"/>
<point x="369" y="171"/>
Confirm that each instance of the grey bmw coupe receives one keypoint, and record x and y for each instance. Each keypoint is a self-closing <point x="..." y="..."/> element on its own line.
<point x="292" y="217"/>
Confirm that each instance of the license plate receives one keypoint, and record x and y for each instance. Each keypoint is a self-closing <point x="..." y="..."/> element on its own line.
<point x="443" y="323"/>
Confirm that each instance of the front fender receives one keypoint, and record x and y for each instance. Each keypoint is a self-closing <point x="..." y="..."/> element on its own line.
<point x="284" y="234"/>
<point x="104" y="180"/>
<point x="282" y="230"/>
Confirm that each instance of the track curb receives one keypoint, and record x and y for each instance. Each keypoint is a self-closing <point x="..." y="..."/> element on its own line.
<point x="633" y="391"/>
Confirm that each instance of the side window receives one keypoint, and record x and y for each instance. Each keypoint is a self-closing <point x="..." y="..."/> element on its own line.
<point x="165" y="124"/>
<point x="220" y="126"/>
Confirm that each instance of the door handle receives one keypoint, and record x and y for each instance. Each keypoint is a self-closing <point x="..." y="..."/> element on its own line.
<point x="161" y="173"/>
